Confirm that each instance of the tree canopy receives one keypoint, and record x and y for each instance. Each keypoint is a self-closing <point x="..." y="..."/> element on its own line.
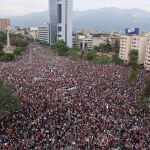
<point x="104" y="48"/>
<point x="3" y="37"/>
<point x="8" y="101"/>
<point x="133" y="61"/>
<point x="91" y="55"/>
<point x="133" y="58"/>
<point x="1" y="46"/>
<point x="61" y="47"/>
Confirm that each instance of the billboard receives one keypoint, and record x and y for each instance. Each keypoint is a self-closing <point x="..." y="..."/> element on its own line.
<point x="131" y="31"/>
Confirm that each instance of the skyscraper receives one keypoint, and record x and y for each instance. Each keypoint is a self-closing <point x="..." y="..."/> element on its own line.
<point x="61" y="13"/>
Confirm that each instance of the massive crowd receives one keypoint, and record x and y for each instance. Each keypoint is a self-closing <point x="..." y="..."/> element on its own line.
<point x="69" y="104"/>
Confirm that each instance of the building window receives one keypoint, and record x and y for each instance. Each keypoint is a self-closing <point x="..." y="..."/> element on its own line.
<point x="59" y="29"/>
<point x="59" y="13"/>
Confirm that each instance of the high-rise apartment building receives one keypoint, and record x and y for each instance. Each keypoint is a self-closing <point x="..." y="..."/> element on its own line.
<point x="136" y="42"/>
<point x="4" y="24"/>
<point x="141" y="43"/>
<point x="61" y="13"/>
<point x="125" y="47"/>
<point x="147" y="55"/>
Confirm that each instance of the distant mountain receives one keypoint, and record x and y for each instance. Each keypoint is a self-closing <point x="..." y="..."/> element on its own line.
<point x="33" y="19"/>
<point x="104" y="19"/>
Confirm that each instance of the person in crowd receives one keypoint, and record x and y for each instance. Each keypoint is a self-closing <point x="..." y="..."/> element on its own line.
<point x="70" y="104"/>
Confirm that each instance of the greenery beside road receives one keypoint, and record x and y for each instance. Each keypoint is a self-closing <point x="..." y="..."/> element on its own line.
<point x="17" y="40"/>
<point x="7" y="56"/>
<point x="19" y="50"/>
<point x="8" y="102"/>
<point x="61" y="49"/>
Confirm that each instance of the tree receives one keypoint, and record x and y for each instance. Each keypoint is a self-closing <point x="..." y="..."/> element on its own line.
<point x="145" y="99"/>
<point x="3" y="37"/>
<point x="18" y="50"/>
<point x="97" y="48"/>
<point x="103" y="59"/>
<point x="1" y="53"/>
<point x="1" y="46"/>
<point x="19" y="35"/>
<point x="133" y="61"/>
<point x="105" y="48"/>
<point x="7" y="57"/>
<point x="133" y="58"/>
<point x="115" y="59"/>
<point x="61" y="47"/>
<point x="73" y="53"/>
<point x="8" y="101"/>
<point x="18" y="40"/>
<point x="91" y="55"/>
<point x="102" y="47"/>
<point x="116" y="46"/>
<point x="108" y="47"/>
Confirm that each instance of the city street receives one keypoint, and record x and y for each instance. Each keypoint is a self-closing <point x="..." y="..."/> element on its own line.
<point x="72" y="104"/>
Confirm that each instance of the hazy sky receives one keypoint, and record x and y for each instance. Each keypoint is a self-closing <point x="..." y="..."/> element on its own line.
<point x="21" y="7"/>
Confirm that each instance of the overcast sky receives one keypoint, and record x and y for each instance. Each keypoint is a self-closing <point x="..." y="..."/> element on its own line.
<point x="22" y="7"/>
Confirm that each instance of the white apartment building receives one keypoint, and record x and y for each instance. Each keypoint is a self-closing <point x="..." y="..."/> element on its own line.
<point x="136" y="42"/>
<point x="139" y="43"/>
<point x="147" y="55"/>
<point x="61" y="14"/>
<point x="125" y="47"/>
<point x="44" y="33"/>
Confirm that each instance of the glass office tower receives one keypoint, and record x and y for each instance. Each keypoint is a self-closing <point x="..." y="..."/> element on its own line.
<point x="61" y="13"/>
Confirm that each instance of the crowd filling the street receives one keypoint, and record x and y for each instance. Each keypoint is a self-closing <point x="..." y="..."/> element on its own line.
<point x="72" y="104"/>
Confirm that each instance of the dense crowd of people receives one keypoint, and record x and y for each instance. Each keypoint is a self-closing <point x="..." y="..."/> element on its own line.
<point x="70" y="104"/>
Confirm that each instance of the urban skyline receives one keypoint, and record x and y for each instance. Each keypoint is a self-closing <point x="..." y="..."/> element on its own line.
<point x="74" y="80"/>
<point x="19" y="8"/>
<point x="59" y="25"/>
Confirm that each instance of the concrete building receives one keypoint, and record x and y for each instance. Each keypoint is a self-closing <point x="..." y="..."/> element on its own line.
<point x="61" y="14"/>
<point x="99" y="39"/>
<point x="20" y="30"/>
<point x="75" y="42"/>
<point x="85" y="42"/>
<point x="44" y="33"/>
<point x="147" y="55"/>
<point x="125" y="47"/>
<point x="137" y="42"/>
<point x="4" y="24"/>
<point x="33" y="32"/>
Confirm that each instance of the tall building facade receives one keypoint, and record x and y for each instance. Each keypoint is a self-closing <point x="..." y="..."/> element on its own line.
<point x="4" y="24"/>
<point x="125" y="47"/>
<point x="147" y="55"/>
<point x="141" y="43"/>
<point x="61" y="14"/>
<point x="44" y="33"/>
